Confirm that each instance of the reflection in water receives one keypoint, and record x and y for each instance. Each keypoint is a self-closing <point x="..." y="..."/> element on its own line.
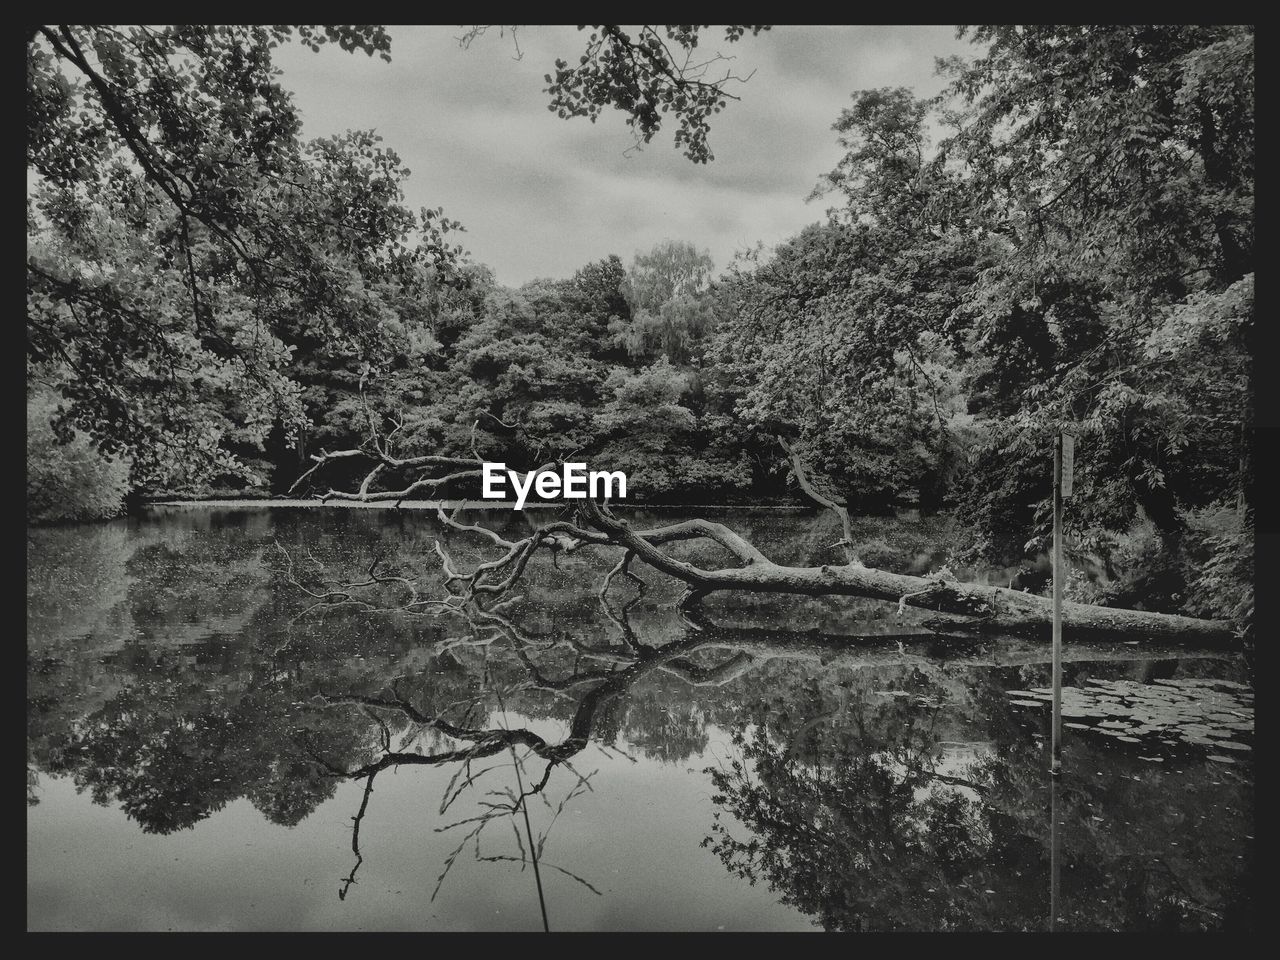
<point x="860" y="774"/>
<point x="1055" y="852"/>
<point x="1169" y="717"/>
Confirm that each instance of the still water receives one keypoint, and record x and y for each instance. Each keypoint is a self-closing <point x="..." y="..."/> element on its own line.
<point x="206" y="750"/>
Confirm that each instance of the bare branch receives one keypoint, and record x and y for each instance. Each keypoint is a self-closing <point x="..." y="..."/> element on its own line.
<point x="979" y="607"/>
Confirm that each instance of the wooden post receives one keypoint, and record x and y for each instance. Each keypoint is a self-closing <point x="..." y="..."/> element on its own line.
<point x="1055" y="767"/>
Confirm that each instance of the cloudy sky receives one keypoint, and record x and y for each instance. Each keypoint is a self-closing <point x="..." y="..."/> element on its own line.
<point x="541" y="196"/>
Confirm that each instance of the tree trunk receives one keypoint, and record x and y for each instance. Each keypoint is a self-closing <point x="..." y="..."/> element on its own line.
<point x="986" y="607"/>
<point x="969" y="607"/>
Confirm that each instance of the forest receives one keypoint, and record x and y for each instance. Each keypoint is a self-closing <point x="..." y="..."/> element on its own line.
<point x="218" y="306"/>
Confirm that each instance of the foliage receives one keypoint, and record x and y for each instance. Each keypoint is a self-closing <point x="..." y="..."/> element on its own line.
<point x="68" y="479"/>
<point x="543" y="371"/>
<point x="837" y="348"/>
<point x="182" y="239"/>
<point x="655" y="72"/>
<point x="670" y="310"/>
<point x="1222" y="586"/>
<point x="1115" y="165"/>
<point x="656" y="439"/>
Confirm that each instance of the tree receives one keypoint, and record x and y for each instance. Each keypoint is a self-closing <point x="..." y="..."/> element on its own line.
<point x="71" y="480"/>
<point x="193" y="267"/>
<point x="848" y="339"/>
<point x="657" y="71"/>
<point x="964" y="606"/>
<point x="647" y="428"/>
<point x="668" y="271"/>
<point x="671" y="313"/>
<point x="883" y="174"/>
<point x="180" y="236"/>
<point x="1115" y="165"/>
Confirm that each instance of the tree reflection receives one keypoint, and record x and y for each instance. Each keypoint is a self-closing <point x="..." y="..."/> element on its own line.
<point x="855" y="824"/>
<point x="875" y="782"/>
<point x="871" y="825"/>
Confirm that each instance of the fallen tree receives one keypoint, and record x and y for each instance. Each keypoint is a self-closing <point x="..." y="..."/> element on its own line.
<point x="961" y="606"/>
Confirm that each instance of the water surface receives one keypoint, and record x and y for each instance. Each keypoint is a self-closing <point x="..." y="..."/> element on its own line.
<point x="207" y="751"/>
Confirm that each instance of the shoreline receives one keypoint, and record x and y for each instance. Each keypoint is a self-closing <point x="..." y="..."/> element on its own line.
<point x="298" y="504"/>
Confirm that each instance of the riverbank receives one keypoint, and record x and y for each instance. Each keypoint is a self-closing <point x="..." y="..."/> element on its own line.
<point x="432" y="505"/>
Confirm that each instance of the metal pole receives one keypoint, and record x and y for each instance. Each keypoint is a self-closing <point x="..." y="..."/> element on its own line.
<point x="1055" y="844"/>
<point x="1056" y="766"/>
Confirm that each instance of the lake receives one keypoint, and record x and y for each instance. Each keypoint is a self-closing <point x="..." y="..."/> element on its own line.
<point x="207" y="749"/>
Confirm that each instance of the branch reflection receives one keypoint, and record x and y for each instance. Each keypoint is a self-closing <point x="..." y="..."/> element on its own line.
<point x="878" y="781"/>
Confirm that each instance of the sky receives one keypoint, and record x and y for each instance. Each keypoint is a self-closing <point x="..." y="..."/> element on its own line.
<point x="541" y="196"/>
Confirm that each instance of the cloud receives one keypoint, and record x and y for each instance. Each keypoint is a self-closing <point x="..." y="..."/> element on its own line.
<point x="541" y="196"/>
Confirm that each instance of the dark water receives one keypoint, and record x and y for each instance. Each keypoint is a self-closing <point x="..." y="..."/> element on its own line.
<point x="204" y="752"/>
